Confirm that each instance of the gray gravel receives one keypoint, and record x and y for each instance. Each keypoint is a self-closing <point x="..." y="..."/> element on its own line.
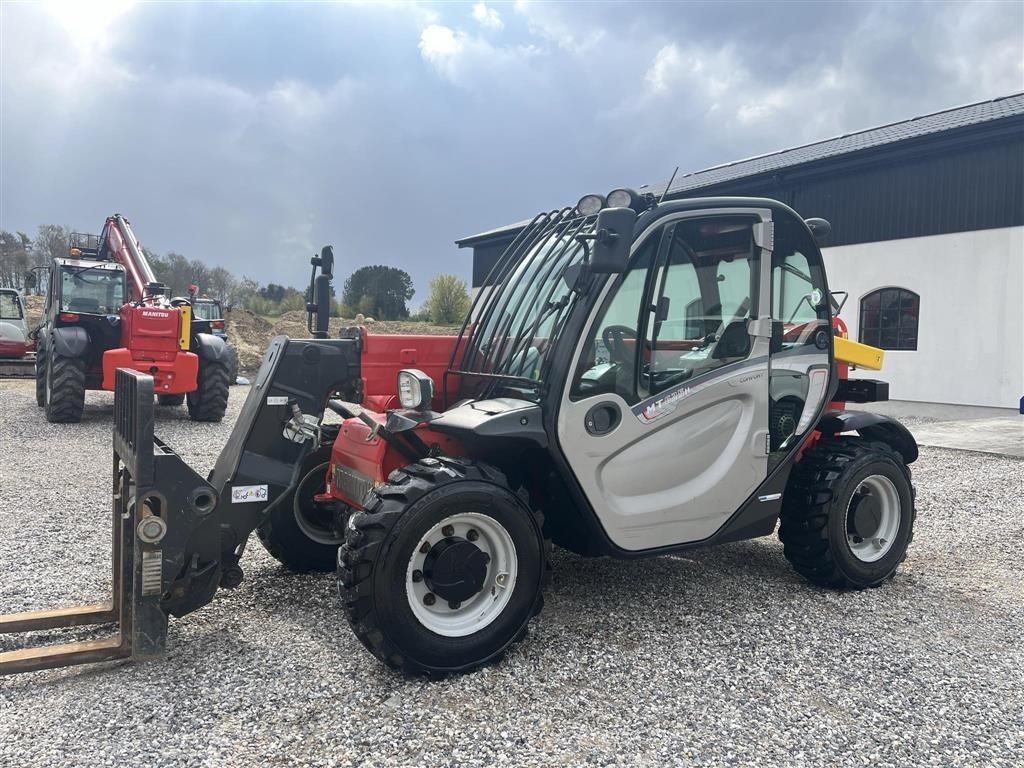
<point x="721" y="657"/>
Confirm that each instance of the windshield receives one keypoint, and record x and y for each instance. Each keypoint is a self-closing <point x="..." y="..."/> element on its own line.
<point x="91" y="291"/>
<point x="10" y="307"/>
<point x="207" y="310"/>
<point x="517" y="322"/>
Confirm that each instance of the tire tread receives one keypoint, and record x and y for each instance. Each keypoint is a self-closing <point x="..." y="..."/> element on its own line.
<point x="67" y="389"/>
<point x="367" y="540"/>
<point x="806" y="504"/>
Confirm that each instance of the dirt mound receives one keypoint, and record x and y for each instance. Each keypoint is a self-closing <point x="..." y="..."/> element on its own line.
<point x="250" y="334"/>
<point x="33" y="310"/>
<point x="294" y="324"/>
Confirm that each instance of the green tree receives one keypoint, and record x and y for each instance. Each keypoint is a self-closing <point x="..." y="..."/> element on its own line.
<point x="378" y="291"/>
<point x="273" y="292"/>
<point x="448" y="302"/>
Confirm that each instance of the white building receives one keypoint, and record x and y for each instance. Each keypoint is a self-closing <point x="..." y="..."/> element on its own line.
<point x="927" y="239"/>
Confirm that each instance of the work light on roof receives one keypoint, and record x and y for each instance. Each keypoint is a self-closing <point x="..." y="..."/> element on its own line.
<point x="623" y="198"/>
<point x="590" y="205"/>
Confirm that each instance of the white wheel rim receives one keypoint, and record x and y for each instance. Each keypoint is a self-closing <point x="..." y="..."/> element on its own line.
<point x="875" y="546"/>
<point x="480" y="610"/>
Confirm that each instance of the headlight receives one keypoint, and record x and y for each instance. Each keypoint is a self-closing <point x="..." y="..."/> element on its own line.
<point x="590" y="205"/>
<point x="622" y="198"/>
<point x="415" y="389"/>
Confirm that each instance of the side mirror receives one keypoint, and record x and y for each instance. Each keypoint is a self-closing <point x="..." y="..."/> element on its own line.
<point x="612" y="241"/>
<point x="318" y="296"/>
<point x="819" y="228"/>
<point x="327" y="261"/>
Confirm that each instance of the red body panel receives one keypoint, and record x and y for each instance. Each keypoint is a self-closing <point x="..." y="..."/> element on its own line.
<point x="13" y="348"/>
<point x="384" y="356"/>
<point x="150" y="338"/>
<point x="375" y="459"/>
<point x="151" y="333"/>
<point x="175" y="377"/>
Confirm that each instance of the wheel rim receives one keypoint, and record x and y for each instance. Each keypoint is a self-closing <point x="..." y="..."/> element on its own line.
<point x="315" y="520"/>
<point x="481" y="550"/>
<point x="873" y="518"/>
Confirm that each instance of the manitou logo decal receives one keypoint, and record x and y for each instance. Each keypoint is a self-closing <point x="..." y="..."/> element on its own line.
<point x="665" y="405"/>
<point x="155" y="313"/>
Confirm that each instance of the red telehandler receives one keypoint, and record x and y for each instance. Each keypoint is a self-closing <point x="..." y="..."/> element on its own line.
<point x="106" y="310"/>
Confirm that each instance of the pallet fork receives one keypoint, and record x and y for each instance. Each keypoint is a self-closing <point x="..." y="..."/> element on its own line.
<point x="138" y="531"/>
<point x="177" y="537"/>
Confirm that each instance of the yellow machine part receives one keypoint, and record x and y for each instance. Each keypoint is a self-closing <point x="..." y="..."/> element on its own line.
<point x="861" y="355"/>
<point x="186" y="327"/>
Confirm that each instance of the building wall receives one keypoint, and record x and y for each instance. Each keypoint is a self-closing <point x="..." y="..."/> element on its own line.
<point x="971" y="323"/>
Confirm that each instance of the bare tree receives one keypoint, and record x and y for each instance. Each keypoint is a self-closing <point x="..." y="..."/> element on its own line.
<point x="15" y="260"/>
<point x="220" y="285"/>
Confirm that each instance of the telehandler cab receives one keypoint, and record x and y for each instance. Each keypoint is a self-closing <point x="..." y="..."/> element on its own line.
<point x="638" y="378"/>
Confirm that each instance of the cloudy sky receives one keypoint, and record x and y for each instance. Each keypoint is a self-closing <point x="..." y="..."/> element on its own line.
<point x="250" y="135"/>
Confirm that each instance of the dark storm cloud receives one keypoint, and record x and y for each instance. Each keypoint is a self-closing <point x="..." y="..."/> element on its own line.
<point x="251" y="135"/>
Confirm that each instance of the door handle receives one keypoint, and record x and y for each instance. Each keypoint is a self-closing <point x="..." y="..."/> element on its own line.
<point x="602" y="419"/>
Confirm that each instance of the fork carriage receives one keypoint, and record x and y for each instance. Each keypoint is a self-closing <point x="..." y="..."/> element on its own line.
<point x="136" y="554"/>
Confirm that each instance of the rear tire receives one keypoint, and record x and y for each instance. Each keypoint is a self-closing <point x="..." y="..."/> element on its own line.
<point x="848" y="513"/>
<point x="170" y="400"/>
<point x="65" y="388"/>
<point x="209" y="401"/>
<point x="283" y="536"/>
<point x="404" y="523"/>
<point x="40" y="378"/>
<point x="232" y="363"/>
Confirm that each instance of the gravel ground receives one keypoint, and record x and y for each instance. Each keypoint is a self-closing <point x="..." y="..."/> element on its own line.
<point x="721" y="657"/>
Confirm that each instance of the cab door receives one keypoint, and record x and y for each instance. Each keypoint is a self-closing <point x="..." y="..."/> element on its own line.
<point x="664" y="418"/>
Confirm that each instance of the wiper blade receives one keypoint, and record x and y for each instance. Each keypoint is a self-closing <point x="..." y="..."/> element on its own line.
<point x="80" y="270"/>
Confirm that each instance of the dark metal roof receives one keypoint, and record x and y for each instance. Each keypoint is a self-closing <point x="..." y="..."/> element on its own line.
<point x="847" y="144"/>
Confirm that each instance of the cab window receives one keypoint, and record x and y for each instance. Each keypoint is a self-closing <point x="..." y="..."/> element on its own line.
<point x="706" y="288"/>
<point x="606" y="365"/>
<point x="91" y="291"/>
<point x="207" y="310"/>
<point x="10" y="306"/>
<point x="680" y="312"/>
<point x="799" y="295"/>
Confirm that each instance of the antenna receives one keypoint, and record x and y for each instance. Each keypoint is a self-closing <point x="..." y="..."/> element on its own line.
<point x="669" y="185"/>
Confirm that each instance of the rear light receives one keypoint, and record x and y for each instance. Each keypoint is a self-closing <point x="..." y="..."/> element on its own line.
<point x="218" y="324"/>
<point x="69" y="317"/>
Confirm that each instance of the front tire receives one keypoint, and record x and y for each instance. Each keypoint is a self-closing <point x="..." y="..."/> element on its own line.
<point x="848" y="513"/>
<point x="65" y="388"/>
<point x="444" y="568"/>
<point x="209" y="401"/>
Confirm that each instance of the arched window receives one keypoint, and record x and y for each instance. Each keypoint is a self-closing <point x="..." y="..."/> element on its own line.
<point x="888" y="318"/>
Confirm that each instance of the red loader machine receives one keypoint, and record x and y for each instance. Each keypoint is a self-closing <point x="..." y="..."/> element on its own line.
<point x="642" y="378"/>
<point x="106" y="310"/>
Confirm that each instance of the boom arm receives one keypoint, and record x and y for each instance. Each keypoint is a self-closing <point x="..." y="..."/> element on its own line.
<point x="118" y="243"/>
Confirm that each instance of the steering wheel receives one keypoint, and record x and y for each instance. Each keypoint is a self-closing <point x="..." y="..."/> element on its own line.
<point x="613" y="337"/>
